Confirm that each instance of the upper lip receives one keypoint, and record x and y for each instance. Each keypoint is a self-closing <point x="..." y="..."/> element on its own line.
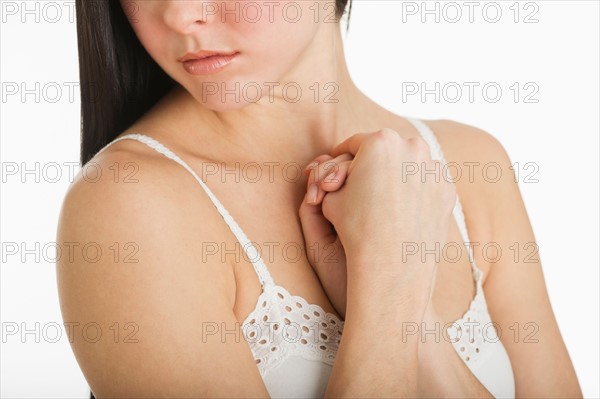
<point x="203" y="54"/>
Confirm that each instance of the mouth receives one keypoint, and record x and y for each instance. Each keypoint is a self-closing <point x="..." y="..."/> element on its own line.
<point x="206" y="62"/>
<point x="203" y="54"/>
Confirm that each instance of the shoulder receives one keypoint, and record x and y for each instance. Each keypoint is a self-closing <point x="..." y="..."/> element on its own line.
<point x="117" y="179"/>
<point x="131" y="180"/>
<point x="467" y="142"/>
<point x="479" y="162"/>
<point x="485" y="181"/>
<point x="121" y="188"/>
<point x="132" y="266"/>
<point x="132" y="205"/>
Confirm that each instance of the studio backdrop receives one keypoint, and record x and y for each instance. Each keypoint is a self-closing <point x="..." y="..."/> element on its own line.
<point x="526" y="72"/>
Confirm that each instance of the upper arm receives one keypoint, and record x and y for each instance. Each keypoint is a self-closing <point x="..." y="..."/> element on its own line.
<point x="147" y="313"/>
<point x="514" y="288"/>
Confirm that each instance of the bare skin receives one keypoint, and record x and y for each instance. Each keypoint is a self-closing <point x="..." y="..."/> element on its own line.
<point x="278" y="222"/>
<point x="167" y="214"/>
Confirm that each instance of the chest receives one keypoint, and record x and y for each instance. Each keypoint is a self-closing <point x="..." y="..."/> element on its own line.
<point x="277" y="233"/>
<point x="264" y="202"/>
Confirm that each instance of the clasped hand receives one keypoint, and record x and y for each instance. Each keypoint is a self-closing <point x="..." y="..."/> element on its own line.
<point x="361" y="204"/>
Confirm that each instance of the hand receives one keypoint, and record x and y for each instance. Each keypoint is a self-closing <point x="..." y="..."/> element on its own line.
<point x="417" y="209"/>
<point x="430" y="356"/>
<point x="324" y="249"/>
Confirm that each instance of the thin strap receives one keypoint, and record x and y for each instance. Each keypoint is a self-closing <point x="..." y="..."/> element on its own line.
<point x="249" y="248"/>
<point x="437" y="154"/>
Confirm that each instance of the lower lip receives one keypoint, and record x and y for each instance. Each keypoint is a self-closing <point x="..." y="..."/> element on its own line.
<point x="208" y="65"/>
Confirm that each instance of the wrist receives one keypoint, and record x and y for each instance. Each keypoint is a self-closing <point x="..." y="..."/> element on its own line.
<point x="408" y="283"/>
<point x="381" y="293"/>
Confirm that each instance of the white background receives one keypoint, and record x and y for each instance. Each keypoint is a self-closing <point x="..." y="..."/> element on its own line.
<point x="387" y="49"/>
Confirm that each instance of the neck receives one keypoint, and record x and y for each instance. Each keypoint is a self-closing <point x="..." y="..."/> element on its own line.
<point x="329" y="109"/>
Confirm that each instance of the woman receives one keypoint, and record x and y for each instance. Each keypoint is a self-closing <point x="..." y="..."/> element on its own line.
<point x="232" y="97"/>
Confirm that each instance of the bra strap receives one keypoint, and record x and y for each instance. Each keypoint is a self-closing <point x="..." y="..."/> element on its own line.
<point x="437" y="154"/>
<point x="251" y="252"/>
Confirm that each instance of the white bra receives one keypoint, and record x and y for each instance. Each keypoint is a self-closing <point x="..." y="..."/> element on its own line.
<point x="294" y="343"/>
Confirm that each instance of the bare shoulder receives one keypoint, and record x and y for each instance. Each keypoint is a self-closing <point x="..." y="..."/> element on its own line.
<point x="132" y="189"/>
<point x="135" y="224"/>
<point x="481" y="165"/>
<point x="123" y="182"/>
<point x="467" y="142"/>
<point x="130" y="205"/>
<point x="482" y="171"/>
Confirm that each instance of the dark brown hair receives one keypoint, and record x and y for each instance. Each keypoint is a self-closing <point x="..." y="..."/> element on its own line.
<point x="119" y="81"/>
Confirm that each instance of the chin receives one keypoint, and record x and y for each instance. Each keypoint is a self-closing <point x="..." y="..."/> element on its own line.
<point x="229" y="95"/>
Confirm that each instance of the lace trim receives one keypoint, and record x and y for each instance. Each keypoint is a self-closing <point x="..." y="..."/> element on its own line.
<point x="474" y="333"/>
<point x="283" y="324"/>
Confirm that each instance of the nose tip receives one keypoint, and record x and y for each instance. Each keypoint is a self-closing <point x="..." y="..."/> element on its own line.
<point x="184" y="16"/>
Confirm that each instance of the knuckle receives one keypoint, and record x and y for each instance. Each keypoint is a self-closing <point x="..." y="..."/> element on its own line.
<point x="389" y="132"/>
<point x="385" y="140"/>
<point x="420" y="147"/>
<point x="386" y="135"/>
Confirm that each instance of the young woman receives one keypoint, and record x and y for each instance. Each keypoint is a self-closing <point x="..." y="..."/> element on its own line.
<point x="207" y="264"/>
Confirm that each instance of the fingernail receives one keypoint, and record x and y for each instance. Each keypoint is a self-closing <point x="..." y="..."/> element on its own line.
<point x="313" y="190"/>
<point x="330" y="178"/>
<point x="311" y="165"/>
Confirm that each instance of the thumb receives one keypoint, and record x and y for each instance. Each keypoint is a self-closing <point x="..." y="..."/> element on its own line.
<point x="318" y="231"/>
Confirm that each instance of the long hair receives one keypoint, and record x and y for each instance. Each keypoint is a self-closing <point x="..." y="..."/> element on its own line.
<point x="118" y="79"/>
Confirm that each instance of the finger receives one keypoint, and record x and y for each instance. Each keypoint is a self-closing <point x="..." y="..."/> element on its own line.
<point x="315" y="192"/>
<point x="350" y="145"/>
<point x="316" y="162"/>
<point x="315" y="227"/>
<point x="311" y="188"/>
<point x="335" y="180"/>
<point x="330" y="166"/>
<point x="332" y="182"/>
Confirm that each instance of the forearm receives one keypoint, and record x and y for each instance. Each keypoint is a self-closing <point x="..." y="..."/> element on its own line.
<point x="373" y="359"/>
